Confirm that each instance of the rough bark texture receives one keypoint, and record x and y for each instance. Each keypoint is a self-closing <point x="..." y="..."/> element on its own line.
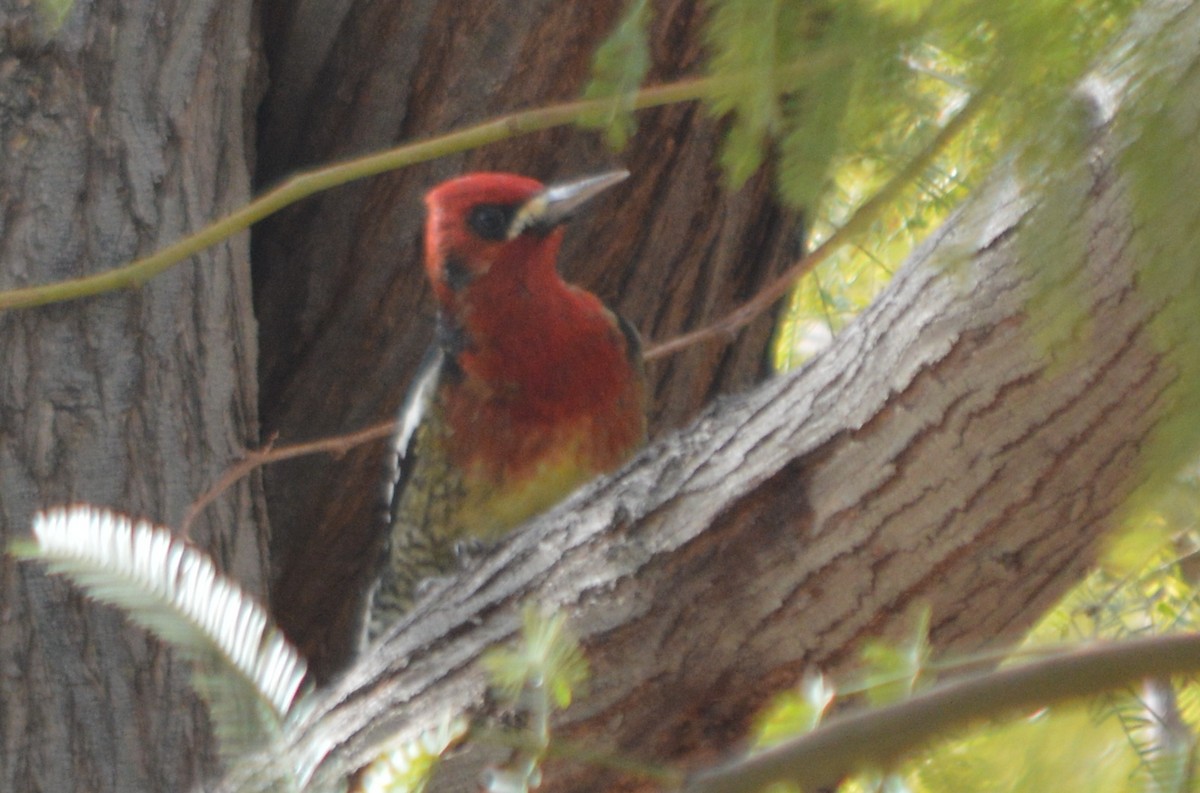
<point x="345" y="315"/>
<point x="939" y="453"/>
<point x="121" y="132"/>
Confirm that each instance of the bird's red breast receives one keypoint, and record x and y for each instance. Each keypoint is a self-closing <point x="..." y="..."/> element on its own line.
<point x="543" y="364"/>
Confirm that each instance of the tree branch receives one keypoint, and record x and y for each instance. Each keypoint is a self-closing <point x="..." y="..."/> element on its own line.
<point x="336" y="445"/>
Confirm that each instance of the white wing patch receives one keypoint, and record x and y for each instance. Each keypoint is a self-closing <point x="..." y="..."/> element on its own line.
<point x="415" y="408"/>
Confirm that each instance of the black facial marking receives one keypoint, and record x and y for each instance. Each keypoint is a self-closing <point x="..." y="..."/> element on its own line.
<point x="491" y="221"/>
<point x="455" y="273"/>
<point x="452" y="338"/>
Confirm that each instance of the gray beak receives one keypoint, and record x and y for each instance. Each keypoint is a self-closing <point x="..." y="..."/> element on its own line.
<point x="558" y="202"/>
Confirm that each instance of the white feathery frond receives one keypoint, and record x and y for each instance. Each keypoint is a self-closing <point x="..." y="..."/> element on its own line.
<point x="172" y="588"/>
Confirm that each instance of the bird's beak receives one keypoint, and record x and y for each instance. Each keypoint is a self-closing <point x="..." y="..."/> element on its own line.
<point x="558" y="202"/>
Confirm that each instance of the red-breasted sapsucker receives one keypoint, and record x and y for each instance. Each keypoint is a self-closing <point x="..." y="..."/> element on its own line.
<point x="531" y="388"/>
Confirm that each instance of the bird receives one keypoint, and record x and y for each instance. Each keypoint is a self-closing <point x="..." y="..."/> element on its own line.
<point x="531" y="388"/>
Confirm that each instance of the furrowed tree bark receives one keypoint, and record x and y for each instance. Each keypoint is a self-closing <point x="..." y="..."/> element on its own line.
<point x="957" y="448"/>
<point x="345" y="314"/>
<point x="121" y="132"/>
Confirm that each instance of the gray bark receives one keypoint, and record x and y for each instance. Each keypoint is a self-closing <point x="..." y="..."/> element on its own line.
<point x="122" y="131"/>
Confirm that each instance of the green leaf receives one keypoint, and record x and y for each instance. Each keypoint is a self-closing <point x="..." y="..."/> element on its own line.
<point x="795" y="712"/>
<point x="895" y="669"/>
<point x="547" y="657"/>
<point x="743" y="35"/>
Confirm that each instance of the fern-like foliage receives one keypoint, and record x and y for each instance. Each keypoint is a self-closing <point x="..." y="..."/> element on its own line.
<point x="618" y="68"/>
<point x="831" y="83"/>
<point x="247" y="671"/>
<point x="843" y="98"/>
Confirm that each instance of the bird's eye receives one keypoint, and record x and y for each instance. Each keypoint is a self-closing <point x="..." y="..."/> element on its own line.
<point x="490" y="221"/>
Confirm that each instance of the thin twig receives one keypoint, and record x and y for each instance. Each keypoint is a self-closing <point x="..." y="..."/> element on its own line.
<point x="336" y="446"/>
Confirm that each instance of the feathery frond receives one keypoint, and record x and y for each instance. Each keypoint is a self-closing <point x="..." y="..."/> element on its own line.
<point x="247" y="670"/>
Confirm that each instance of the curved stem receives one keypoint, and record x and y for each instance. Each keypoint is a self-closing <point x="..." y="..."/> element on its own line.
<point x="306" y="184"/>
<point x="878" y="737"/>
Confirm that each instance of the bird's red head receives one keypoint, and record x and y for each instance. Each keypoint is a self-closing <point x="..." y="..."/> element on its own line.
<point x="498" y="227"/>
<point x="467" y="229"/>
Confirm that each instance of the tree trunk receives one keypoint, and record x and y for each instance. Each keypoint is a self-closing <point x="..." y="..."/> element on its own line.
<point x="964" y="446"/>
<point x="122" y="131"/>
<point x="345" y="313"/>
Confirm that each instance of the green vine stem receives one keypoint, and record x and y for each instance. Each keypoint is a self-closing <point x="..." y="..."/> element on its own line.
<point x="303" y="185"/>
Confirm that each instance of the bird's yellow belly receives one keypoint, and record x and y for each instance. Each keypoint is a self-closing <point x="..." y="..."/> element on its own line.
<point x="497" y="500"/>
